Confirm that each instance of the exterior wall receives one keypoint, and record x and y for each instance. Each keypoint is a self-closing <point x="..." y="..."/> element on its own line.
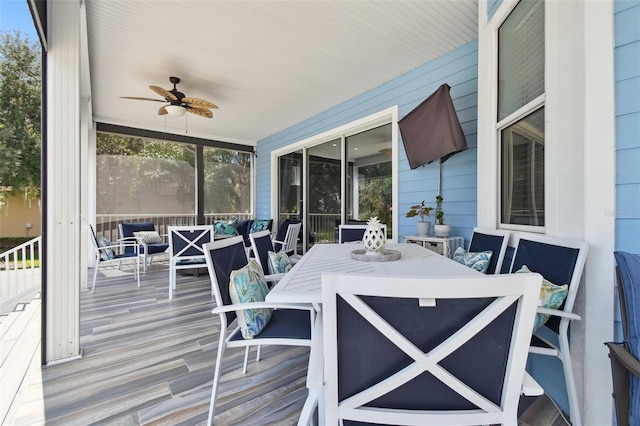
<point x="627" y="83"/>
<point x="17" y="214"/>
<point x="457" y="68"/>
<point x="579" y="176"/>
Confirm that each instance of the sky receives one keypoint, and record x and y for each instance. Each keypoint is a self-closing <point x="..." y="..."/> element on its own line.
<point x="15" y="15"/>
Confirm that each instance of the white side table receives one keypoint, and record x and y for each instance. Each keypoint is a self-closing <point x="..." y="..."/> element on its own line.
<point x="445" y="246"/>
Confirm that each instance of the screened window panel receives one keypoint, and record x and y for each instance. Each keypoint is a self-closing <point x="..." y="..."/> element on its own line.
<point x="521" y="57"/>
<point x="522" y="171"/>
<point x="227" y="181"/>
<point x="139" y="176"/>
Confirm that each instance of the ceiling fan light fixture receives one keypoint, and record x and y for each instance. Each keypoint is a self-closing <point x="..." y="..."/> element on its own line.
<point x="175" y="110"/>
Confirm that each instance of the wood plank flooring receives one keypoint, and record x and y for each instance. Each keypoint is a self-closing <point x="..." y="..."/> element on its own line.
<point x="149" y="361"/>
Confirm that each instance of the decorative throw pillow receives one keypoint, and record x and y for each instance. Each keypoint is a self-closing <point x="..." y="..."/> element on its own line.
<point x="475" y="260"/>
<point x="226" y="227"/>
<point x="259" y="225"/>
<point x="551" y="296"/>
<point x="148" y="237"/>
<point x="279" y="262"/>
<point x="106" y="254"/>
<point x="248" y="285"/>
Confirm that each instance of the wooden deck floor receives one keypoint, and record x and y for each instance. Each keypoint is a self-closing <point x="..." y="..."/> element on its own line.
<point x="149" y="361"/>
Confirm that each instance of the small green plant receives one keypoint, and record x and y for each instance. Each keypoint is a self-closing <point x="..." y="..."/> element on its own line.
<point x="419" y="210"/>
<point x="439" y="212"/>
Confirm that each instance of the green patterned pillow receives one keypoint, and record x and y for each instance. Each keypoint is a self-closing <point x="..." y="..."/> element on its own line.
<point x="551" y="296"/>
<point x="106" y="254"/>
<point x="259" y="225"/>
<point x="248" y="285"/>
<point x="148" y="237"/>
<point x="226" y="227"/>
<point x="279" y="263"/>
<point x="475" y="260"/>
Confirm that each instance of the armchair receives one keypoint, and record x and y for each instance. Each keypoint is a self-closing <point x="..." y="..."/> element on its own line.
<point x="147" y="249"/>
<point x="288" y="324"/>
<point x="560" y="261"/>
<point x="110" y="254"/>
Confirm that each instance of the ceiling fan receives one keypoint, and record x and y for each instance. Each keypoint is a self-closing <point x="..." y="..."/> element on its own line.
<point x="178" y="102"/>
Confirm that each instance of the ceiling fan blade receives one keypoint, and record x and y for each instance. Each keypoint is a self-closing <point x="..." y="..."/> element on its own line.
<point x="202" y="112"/>
<point x="163" y="111"/>
<point x="142" y="99"/>
<point x="198" y="103"/>
<point x="164" y="93"/>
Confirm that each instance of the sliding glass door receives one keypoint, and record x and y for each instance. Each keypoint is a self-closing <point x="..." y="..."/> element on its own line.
<point x="344" y="180"/>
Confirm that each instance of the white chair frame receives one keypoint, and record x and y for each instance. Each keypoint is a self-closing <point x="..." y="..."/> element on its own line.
<point x="560" y="349"/>
<point x="176" y="255"/>
<point x="506" y="289"/>
<point x="147" y="257"/>
<point x="118" y="248"/>
<point x="503" y="248"/>
<point x="227" y="333"/>
<point x="290" y="243"/>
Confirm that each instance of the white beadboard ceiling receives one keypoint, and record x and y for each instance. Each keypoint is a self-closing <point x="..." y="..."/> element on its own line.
<point x="267" y="64"/>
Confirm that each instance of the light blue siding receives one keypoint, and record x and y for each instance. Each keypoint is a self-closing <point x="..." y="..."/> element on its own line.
<point x="627" y="83"/>
<point x="459" y="69"/>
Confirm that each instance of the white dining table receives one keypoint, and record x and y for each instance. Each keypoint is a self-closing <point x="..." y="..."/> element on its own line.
<point x="303" y="284"/>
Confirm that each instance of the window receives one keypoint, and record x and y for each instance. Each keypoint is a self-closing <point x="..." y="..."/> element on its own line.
<point x="520" y="120"/>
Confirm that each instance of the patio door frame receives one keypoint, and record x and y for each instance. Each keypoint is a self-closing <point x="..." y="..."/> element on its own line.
<point x="381" y="118"/>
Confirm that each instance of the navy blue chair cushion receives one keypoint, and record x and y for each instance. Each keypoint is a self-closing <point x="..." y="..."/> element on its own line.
<point x="554" y="263"/>
<point x="629" y="270"/>
<point x="484" y="242"/>
<point x="243" y="227"/>
<point x="284" y="324"/>
<point x="365" y="356"/>
<point x="225" y="260"/>
<point x="264" y="246"/>
<point x="129" y="228"/>
<point x="349" y="235"/>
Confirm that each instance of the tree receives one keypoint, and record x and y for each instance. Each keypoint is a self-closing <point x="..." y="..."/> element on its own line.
<point x="20" y="85"/>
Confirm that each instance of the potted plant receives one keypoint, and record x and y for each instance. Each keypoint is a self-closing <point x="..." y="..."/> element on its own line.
<point x="422" y="211"/>
<point x="440" y="228"/>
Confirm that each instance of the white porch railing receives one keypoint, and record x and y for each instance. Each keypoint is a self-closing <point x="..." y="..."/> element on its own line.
<point x="20" y="276"/>
<point x="107" y="224"/>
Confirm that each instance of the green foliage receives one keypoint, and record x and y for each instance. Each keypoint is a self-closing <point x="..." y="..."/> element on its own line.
<point x="136" y="169"/>
<point x="20" y="85"/>
<point x="375" y="193"/>
<point x="419" y="210"/>
<point x="439" y="212"/>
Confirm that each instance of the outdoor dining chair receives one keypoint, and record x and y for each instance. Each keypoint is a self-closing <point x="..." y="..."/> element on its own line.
<point x="262" y="245"/>
<point x="418" y="351"/>
<point x="495" y="240"/>
<point x="354" y="233"/>
<point x="108" y="253"/>
<point x="560" y="261"/>
<point x="287" y="241"/>
<point x="249" y="321"/>
<point x="625" y="356"/>
<point x="185" y="250"/>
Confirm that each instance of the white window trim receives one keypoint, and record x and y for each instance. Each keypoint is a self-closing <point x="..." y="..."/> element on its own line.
<point x="386" y="116"/>
<point x="579" y="164"/>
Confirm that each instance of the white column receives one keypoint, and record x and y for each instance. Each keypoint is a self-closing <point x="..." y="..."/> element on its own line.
<point x="62" y="249"/>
